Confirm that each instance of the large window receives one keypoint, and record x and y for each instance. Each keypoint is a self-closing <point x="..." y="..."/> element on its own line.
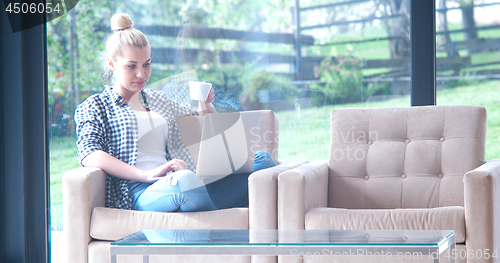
<point x="468" y="59"/>
<point x="300" y="59"/>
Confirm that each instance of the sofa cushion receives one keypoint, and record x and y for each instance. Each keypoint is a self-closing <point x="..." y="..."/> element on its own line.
<point x="442" y="218"/>
<point x="407" y="157"/>
<point x="114" y="224"/>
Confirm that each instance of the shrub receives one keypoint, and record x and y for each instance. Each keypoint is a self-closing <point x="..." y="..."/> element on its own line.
<point x="279" y="87"/>
<point x="467" y="78"/>
<point x="343" y="80"/>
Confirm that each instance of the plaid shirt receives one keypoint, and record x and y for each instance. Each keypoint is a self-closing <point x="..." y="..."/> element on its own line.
<point x="104" y="122"/>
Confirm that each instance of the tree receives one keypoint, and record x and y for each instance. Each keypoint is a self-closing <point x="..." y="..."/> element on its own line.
<point x="398" y="27"/>
<point x="75" y="60"/>
<point x="442" y="23"/>
<point x="468" y="23"/>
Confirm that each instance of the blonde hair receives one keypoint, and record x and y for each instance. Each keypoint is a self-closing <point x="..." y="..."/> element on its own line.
<point x="123" y="34"/>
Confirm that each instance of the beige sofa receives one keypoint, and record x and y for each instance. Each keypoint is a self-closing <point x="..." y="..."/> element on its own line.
<point x="410" y="168"/>
<point x="89" y="227"/>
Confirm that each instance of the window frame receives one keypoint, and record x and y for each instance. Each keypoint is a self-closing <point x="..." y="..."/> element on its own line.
<point x="24" y="155"/>
<point x="423" y="52"/>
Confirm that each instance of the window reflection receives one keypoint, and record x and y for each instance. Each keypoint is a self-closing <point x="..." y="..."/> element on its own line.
<point x="300" y="62"/>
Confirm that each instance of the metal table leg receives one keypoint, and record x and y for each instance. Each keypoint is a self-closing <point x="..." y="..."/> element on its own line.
<point x="452" y="249"/>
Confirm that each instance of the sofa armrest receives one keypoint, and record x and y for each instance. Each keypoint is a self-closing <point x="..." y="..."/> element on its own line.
<point x="482" y="207"/>
<point x="83" y="189"/>
<point x="263" y="195"/>
<point x="299" y="189"/>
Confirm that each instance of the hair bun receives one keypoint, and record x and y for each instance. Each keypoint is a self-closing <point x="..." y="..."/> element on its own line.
<point x="121" y="22"/>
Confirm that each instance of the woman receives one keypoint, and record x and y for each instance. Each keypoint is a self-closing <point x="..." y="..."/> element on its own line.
<point x="130" y="133"/>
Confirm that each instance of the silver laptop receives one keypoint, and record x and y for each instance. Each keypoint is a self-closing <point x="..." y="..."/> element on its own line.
<point x="225" y="146"/>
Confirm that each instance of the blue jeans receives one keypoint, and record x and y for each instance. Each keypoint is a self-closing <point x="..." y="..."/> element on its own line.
<point x="189" y="194"/>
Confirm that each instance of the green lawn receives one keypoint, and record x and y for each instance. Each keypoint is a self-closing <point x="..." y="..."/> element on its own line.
<point x="62" y="154"/>
<point x="304" y="134"/>
<point x="487" y="95"/>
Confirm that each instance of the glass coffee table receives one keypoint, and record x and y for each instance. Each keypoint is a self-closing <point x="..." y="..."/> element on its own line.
<point x="375" y="244"/>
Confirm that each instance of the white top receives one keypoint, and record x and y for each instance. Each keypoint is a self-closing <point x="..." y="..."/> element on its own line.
<point x="151" y="147"/>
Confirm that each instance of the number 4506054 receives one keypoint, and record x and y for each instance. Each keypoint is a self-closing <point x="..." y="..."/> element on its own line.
<point x="471" y="254"/>
<point x="32" y="8"/>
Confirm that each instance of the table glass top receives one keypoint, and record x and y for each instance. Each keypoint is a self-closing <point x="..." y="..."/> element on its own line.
<point x="285" y="237"/>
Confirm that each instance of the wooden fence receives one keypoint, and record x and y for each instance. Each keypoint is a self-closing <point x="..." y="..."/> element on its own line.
<point x="303" y="65"/>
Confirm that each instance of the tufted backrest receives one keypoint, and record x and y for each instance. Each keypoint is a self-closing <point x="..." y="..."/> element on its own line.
<point x="411" y="157"/>
<point x="190" y="128"/>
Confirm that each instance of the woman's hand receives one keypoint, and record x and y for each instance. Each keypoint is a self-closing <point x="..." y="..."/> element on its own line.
<point x="115" y="167"/>
<point x="160" y="171"/>
<point x="210" y="97"/>
<point x="206" y="106"/>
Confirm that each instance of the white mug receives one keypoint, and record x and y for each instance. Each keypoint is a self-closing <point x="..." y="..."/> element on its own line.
<point x="199" y="90"/>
